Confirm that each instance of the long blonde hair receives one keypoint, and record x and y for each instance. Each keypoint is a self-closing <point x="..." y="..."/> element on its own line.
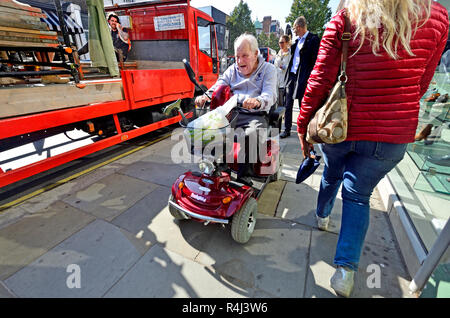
<point x="399" y="18"/>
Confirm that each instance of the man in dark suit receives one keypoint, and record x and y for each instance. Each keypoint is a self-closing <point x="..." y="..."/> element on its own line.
<point x="303" y="57"/>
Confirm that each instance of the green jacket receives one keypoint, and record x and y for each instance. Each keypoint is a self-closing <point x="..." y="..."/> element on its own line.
<point x="101" y="47"/>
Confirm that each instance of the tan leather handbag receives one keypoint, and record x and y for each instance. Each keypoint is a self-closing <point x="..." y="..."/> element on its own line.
<point x="330" y="122"/>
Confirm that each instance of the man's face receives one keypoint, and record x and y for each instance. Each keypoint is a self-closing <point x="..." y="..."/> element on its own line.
<point x="246" y="59"/>
<point x="113" y="23"/>
<point x="299" y="31"/>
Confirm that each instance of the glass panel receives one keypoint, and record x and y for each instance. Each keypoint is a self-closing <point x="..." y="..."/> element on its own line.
<point x="204" y="36"/>
<point x="212" y="40"/>
<point x="422" y="178"/>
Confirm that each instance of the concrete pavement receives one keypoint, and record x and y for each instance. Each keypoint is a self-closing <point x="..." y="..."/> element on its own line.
<point x="110" y="233"/>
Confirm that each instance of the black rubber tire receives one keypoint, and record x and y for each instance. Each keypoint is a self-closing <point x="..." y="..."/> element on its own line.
<point x="174" y="212"/>
<point x="244" y="220"/>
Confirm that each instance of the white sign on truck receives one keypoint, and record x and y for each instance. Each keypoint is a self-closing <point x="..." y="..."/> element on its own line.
<point x="169" y="22"/>
<point x="111" y="3"/>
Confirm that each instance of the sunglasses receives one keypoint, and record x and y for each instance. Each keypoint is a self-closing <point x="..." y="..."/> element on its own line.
<point x="281" y="42"/>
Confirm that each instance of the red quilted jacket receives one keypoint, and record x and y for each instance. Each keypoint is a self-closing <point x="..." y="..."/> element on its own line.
<point x="382" y="93"/>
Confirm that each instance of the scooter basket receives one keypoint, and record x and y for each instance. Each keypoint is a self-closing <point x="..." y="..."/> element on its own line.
<point x="200" y="137"/>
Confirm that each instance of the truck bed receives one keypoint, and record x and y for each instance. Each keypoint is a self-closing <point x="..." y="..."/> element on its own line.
<point x="27" y="99"/>
<point x="20" y="100"/>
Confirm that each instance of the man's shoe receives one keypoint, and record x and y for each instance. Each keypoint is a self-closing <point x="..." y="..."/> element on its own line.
<point x="342" y="281"/>
<point x="432" y="97"/>
<point x="322" y="223"/>
<point x="285" y="134"/>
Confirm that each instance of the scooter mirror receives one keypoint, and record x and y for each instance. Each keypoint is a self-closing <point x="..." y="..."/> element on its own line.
<point x="190" y="72"/>
<point x="191" y="75"/>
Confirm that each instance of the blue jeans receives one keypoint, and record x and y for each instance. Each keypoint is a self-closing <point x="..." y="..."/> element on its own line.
<point x="359" y="166"/>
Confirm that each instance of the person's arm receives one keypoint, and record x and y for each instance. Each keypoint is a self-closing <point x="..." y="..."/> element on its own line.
<point x="268" y="95"/>
<point x="224" y="79"/>
<point x="432" y="64"/>
<point x="277" y="61"/>
<point x="122" y="33"/>
<point x="324" y="73"/>
<point x="314" y="49"/>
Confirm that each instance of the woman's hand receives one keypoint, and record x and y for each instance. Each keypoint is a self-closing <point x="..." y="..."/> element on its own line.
<point x="306" y="146"/>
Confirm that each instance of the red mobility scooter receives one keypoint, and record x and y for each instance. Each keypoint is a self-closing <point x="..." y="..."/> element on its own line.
<point x="213" y="194"/>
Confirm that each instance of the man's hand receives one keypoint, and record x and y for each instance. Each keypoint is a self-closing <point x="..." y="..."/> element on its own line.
<point x="306" y="146"/>
<point x="123" y="34"/>
<point x="251" y="103"/>
<point x="201" y="100"/>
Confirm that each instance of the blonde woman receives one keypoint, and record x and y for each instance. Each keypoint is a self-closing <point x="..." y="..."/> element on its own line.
<point x="281" y="63"/>
<point x="394" y="49"/>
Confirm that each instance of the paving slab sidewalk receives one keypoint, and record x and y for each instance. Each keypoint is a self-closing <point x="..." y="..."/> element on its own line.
<point x="115" y="226"/>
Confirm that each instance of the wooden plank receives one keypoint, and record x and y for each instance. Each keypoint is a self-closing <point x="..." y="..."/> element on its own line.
<point x="19" y="5"/>
<point x="22" y="12"/>
<point x="26" y="39"/>
<point x="19" y="18"/>
<point x="20" y="30"/>
<point x="10" y="81"/>
<point x="22" y="21"/>
<point x="22" y="100"/>
<point x="42" y="26"/>
<point x="26" y="44"/>
<point x="20" y="35"/>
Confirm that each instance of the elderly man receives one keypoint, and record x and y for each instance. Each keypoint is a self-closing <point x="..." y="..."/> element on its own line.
<point x="254" y="81"/>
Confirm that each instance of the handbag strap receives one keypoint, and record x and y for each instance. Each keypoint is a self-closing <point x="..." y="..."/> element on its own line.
<point x="346" y="36"/>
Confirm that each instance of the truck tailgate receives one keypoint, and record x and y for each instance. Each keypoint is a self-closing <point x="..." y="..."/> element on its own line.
<point x="150" y="87"/>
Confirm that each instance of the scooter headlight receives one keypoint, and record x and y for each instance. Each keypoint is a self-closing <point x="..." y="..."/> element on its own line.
<point x="206" y="166"/>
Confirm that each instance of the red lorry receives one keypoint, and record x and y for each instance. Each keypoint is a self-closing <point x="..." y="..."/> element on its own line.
<point x="113" y="110"/>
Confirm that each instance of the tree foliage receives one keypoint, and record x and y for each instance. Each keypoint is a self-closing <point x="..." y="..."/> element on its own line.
<point x="316" y="12"/>
<point x="268" y="41"/>
<point x="240" y="21"/>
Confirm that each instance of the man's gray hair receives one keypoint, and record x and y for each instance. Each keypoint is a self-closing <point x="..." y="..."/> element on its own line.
<point x="250" y="39"/>
<point x="301" y="22"/>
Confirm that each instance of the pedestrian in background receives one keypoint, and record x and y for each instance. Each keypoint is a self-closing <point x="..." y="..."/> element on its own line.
<point x="281" y="63"/>
<point x="393" y="52"/>
<point x="120" y="37"/>
<point x="303" y="57"/>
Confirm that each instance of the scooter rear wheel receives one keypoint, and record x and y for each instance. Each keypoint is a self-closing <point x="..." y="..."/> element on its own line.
<point x="244" y="220"/>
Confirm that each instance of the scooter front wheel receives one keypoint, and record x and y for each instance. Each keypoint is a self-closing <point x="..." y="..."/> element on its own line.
<point x="244" y="220"/>
<point x="174" y="212"/>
